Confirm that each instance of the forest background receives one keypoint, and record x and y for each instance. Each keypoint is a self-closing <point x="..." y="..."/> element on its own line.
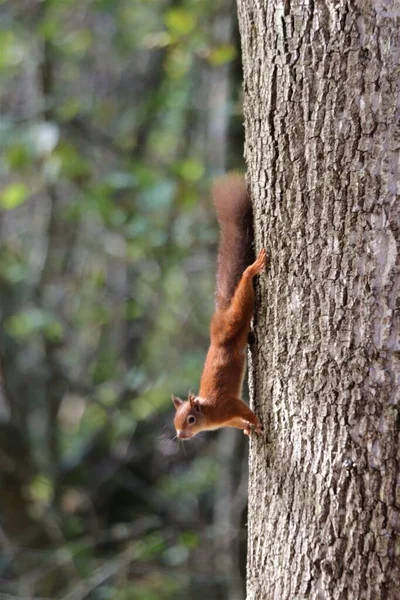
<point x="115" y="115"/>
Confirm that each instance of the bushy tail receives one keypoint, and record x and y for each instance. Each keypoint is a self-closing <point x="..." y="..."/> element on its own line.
<point x="235" y="217"/>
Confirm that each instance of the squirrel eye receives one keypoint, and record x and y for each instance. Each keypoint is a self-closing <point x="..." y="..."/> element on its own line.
<point x="191" y="420"/>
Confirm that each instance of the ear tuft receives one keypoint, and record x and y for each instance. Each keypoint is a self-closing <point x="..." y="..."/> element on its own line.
<point x="176" y="401"/>
<point x="197" y="406"/>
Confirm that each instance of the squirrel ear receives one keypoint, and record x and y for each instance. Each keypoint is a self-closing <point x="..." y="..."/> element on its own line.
<point x="195" y="403"/>
<point x="177" y="401"/>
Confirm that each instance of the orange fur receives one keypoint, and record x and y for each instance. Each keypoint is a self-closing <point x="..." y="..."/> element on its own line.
<point x="218" y="403"/>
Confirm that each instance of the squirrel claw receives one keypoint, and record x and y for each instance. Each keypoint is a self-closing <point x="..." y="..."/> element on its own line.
<point x="253" y="428"/>
<point x="259" y="264"/>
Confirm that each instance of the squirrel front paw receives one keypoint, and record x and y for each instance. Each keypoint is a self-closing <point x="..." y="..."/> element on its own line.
<point x="259" y="264"/>
<point x="253" y="428"/>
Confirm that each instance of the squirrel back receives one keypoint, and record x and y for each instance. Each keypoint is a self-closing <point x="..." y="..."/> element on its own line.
<point x="235" y="217"/>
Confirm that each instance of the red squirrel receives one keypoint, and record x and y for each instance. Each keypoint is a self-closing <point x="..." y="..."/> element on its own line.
<point x="218" y="402"/>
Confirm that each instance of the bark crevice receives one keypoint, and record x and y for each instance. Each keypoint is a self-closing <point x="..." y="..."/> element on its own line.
<point x="323" y="154"/>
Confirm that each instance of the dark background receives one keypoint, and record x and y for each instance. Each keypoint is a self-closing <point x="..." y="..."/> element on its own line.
<point x="115" y="115"/>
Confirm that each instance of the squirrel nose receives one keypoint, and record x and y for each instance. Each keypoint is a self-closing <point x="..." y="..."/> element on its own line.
<point x="183" y="435"/>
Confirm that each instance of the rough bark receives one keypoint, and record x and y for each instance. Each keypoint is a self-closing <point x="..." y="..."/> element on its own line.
<point x="321" y="83"/>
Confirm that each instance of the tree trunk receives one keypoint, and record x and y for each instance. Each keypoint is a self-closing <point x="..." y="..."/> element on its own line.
<point x="321" y="82"/>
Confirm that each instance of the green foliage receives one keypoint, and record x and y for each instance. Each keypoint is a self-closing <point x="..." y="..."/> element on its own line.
<point x="12" y="51"/>
<point x="106" y="288"/>
<point x="31" y="321"/>
<point x="153" y="587"/>
<point x="222" y="54"/>
<point x="186" y="487"/>
<point x="13" y="267"/>
<point x="180" y="21"/>
<point x="41" y="490"/>
<point x="70" y="161"/>
<point x="13" y="195"/>
<point x="191" y="170"/>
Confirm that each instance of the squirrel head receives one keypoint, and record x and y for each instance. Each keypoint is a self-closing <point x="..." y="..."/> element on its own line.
<point x="189" y="417"/>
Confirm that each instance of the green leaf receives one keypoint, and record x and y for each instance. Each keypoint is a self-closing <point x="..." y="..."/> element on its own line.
<point x="178" y="63"/>
<point x="95" y="417"/>
<point x="191" y="170"/>
<point x="53" y="330"/>
<point x="34" y="320"/>
<point x="17" y="156"/>
<point x="149" y="547"/>
<point x="222" y="54"/>
<point x="13" y="195"/>
<point x="12" y="50"/>
<point x="180" y="21"/>
<point x="72" y="162"/>
<point x="71" y="107"/>
<point x="41" y="489"/>
<point x="108" y="395"/>
<point x="190" y="539"/>
<point x="77" y="43"/>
